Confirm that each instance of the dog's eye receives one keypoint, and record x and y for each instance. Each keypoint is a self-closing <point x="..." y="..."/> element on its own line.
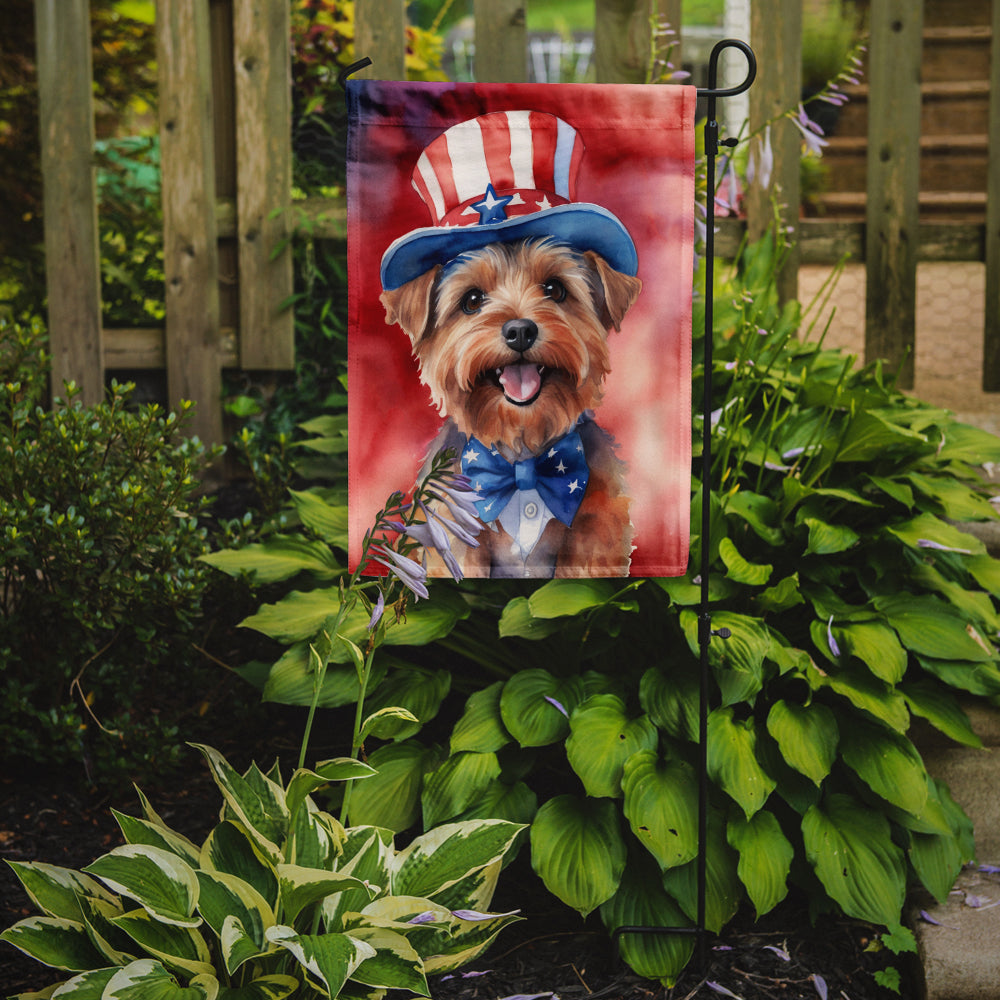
<point x="554" y="289"/>
<point x="472" y="301"/>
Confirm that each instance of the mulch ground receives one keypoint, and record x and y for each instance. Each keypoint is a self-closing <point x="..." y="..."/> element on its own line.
<point x="551" y="952"/>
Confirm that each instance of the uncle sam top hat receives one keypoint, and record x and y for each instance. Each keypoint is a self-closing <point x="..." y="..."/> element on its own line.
<point x="503" y="176"/>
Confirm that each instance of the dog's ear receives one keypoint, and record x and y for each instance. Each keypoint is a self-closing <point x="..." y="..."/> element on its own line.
<point x="620" y="290"/>
<point x="411" y="305"/>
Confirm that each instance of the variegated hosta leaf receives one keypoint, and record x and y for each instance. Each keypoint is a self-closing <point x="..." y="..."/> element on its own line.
<point x="86" y="986"/>
<point x="329" y="959"/>
<point x="315" y="838"/>
<point x="732" y="760"/>
<point x="456" y="784"/>
<point x="274" y="987"/>
<point x="56" y="891"/>
<point x="177" y="947"/>
<point x="765" y="858"/>
<point x="888" y="763"/>
<point x="418" y="691"/>
<point x="481" y="727"/>
<point x="98" y="915"/>
<point x="300" y="887"/>
<point x="367" y="853"/>
<point x="602" y="737"/>
<point x="147" y="979"/>
<point x="158" y="880"/>
<point x="466" y="941"/>
<point x="225" y="897"/>
<point x="54" y="941"/>
<point x="395" y="964"/>
<point x="441" y="857"/>
<point x="475" y="891"/>
<point x="141" y="831"/>
<point x="578" y="851"/>
<point x="304" y="782"/>
<point x="535" y="706"/>
<point x="642" y="902"/>
<point x="807" y="736"/>
<point x="851" y="849"/>
<point x="661" y="805"/>
<point x="230" y="849"/>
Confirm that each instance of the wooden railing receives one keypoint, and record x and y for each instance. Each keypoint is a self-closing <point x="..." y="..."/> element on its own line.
<point x="226" y="160"/>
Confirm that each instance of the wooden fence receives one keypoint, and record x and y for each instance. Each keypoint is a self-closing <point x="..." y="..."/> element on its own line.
<point x="226" y="161"/>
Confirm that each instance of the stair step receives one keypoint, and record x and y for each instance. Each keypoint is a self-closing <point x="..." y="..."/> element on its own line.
<point x="967" y="206"/>
<point x="956" y="53"/>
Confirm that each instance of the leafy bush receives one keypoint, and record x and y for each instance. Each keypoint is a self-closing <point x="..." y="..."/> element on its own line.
<point x="279" y="899"/>
<point x="855" y="603"/>
<point x="99" y="546"/>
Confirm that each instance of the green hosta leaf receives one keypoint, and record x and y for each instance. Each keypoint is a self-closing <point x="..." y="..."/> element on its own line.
<point x="260" y="806"/>
<point x="641" y="901"/>
<point x="751" y="574"/>
<point x="602" y="738"/>
<point x="732" y="760"/>
<point x="957" y="501"/>
<point x="661" y="798"/>
<point x="391" y="798"/>
<point x="723" y="889"/>
<point x="559" y="598"/>
<point x="941" y="709"/>
<point x="876" y="646"/>
<point x="931" y="628"/>
<point x="327" y="520"/>
<point x="481" y="728"/>
<point x="976" y="678"/>
<point x="683" y="592"/>
<point x="387" y="723"/>
<point x="56" y="891"/>
<point x="141" y="831"/>
<point x="226" y="898"/>
<point x="456" y="784"/>
<point x="937" y="859"/>
<point x="438" y="859"/>
<point x="418" y="691"/>
<point x="578" y="851"/>
<point x="738" y="661"/>
<point x="783" y="595"/>
<point x="828" y="539"/>
<point x="516" y="803"/>
<point x="395" y="964"/>
<point x="54" y="941"/>
<point x="279" y="558"/>
<point x="535" y="706"/>
<point x="864" y="691"/>
<point x="671" y="700"/>
<point x="292" y="681"/>
<point x="807" y="736"/>
<point x="275" y="987"/>
<point x="230" y="849"/>
<point x="765" y="858"/>
<point x="517" y="620"/>
<point x="330" y="959"/>
<point x="850" y="848"/>
<point x="870" y="435"/>
<point x="758" y="511"/>
<point x="985" y="569"/>
<point x="159" y="881"/>
<point x="301" y="887"/>
<point x="888" y="763"/>
<point x="180" y="948"/>
<point x="975" y="605"/>
<point x="147" y="979"/>
<point x="927" y="528"/>
<point x="965" y="443"/>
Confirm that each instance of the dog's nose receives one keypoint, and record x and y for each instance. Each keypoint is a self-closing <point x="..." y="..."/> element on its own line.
<point x="519" y="334"/>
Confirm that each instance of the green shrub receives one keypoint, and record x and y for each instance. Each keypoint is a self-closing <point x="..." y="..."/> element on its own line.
<point x="101" y="584"/>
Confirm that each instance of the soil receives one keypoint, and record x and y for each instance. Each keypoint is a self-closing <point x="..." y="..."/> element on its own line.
<point x="551" y="952"/>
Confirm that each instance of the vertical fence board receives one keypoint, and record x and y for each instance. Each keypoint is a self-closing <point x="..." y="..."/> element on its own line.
<point x="501" y="41"/>
<point x="776" y="36"/>
<point x="262" y="61"/>
<point x="190" y="254"/>
<point x="380" y="34"/>
<point x="991" y="332"/>
<point x="893" y="184"/>
<point x="72" y="256"/>
<point x="621" y="40"/>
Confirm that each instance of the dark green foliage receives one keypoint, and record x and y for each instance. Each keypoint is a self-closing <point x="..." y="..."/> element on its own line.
<point x="99" y="541"/>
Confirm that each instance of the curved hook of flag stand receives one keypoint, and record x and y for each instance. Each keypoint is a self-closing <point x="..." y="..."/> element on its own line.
<point x="705" y="631"/>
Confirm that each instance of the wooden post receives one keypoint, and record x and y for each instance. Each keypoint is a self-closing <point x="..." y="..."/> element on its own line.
<point x="622" y="40"/>
<point x="776" y="35"/>
<point x="991" y="333"/>
<point x="893" y="184"/>
<point x="262" y="61"/>
<point x="190" y="253"/>
<point x="501" y="41"/>
<point x="380" y="34"/>
<point x="72" y="255"/>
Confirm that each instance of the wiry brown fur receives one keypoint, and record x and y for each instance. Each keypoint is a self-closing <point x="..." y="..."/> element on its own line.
<point x="458" y="354"/>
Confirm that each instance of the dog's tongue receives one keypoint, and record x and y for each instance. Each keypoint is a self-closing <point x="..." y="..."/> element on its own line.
<point x="521" y="382"/>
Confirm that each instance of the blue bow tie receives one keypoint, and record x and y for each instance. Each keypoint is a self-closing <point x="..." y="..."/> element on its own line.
<point x="559" y="474"/>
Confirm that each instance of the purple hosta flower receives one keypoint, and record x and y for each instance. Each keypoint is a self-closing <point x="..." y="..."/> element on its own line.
<point x="834" y="648"/>
<point x="820" y="983"/>
<point x="427" y="917"/>
<point x="465" y="975"/>
<point x="989" y="869"/>
<point x="475" y="915"/>
<point x="927" y="543"/>
<point x="812" y="134"/>
<point x="780" y="952"/>
<point x="760" y="166"/>
<point x="430" y="535"/>
<point x="412" y="575"/>
<point x="456" y="527"/>
<point x="727" y="199"/>
<point x="719" y="988"/>
<point x="377" y="612"/>
<point x="927" y="918"/>
<point x="531" y="996"/>
<point x="558" y="705"/>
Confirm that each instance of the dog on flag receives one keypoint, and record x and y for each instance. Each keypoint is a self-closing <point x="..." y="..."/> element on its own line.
<point x="508" y="300"/>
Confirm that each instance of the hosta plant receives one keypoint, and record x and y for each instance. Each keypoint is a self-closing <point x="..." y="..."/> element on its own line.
<point x="279" y="900"/>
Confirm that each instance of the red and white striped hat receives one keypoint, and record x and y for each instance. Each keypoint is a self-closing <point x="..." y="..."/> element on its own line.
<point x="500" y="177"/>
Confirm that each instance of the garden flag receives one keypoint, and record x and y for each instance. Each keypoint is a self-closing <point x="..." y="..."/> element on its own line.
<point x="520" y="275"/>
